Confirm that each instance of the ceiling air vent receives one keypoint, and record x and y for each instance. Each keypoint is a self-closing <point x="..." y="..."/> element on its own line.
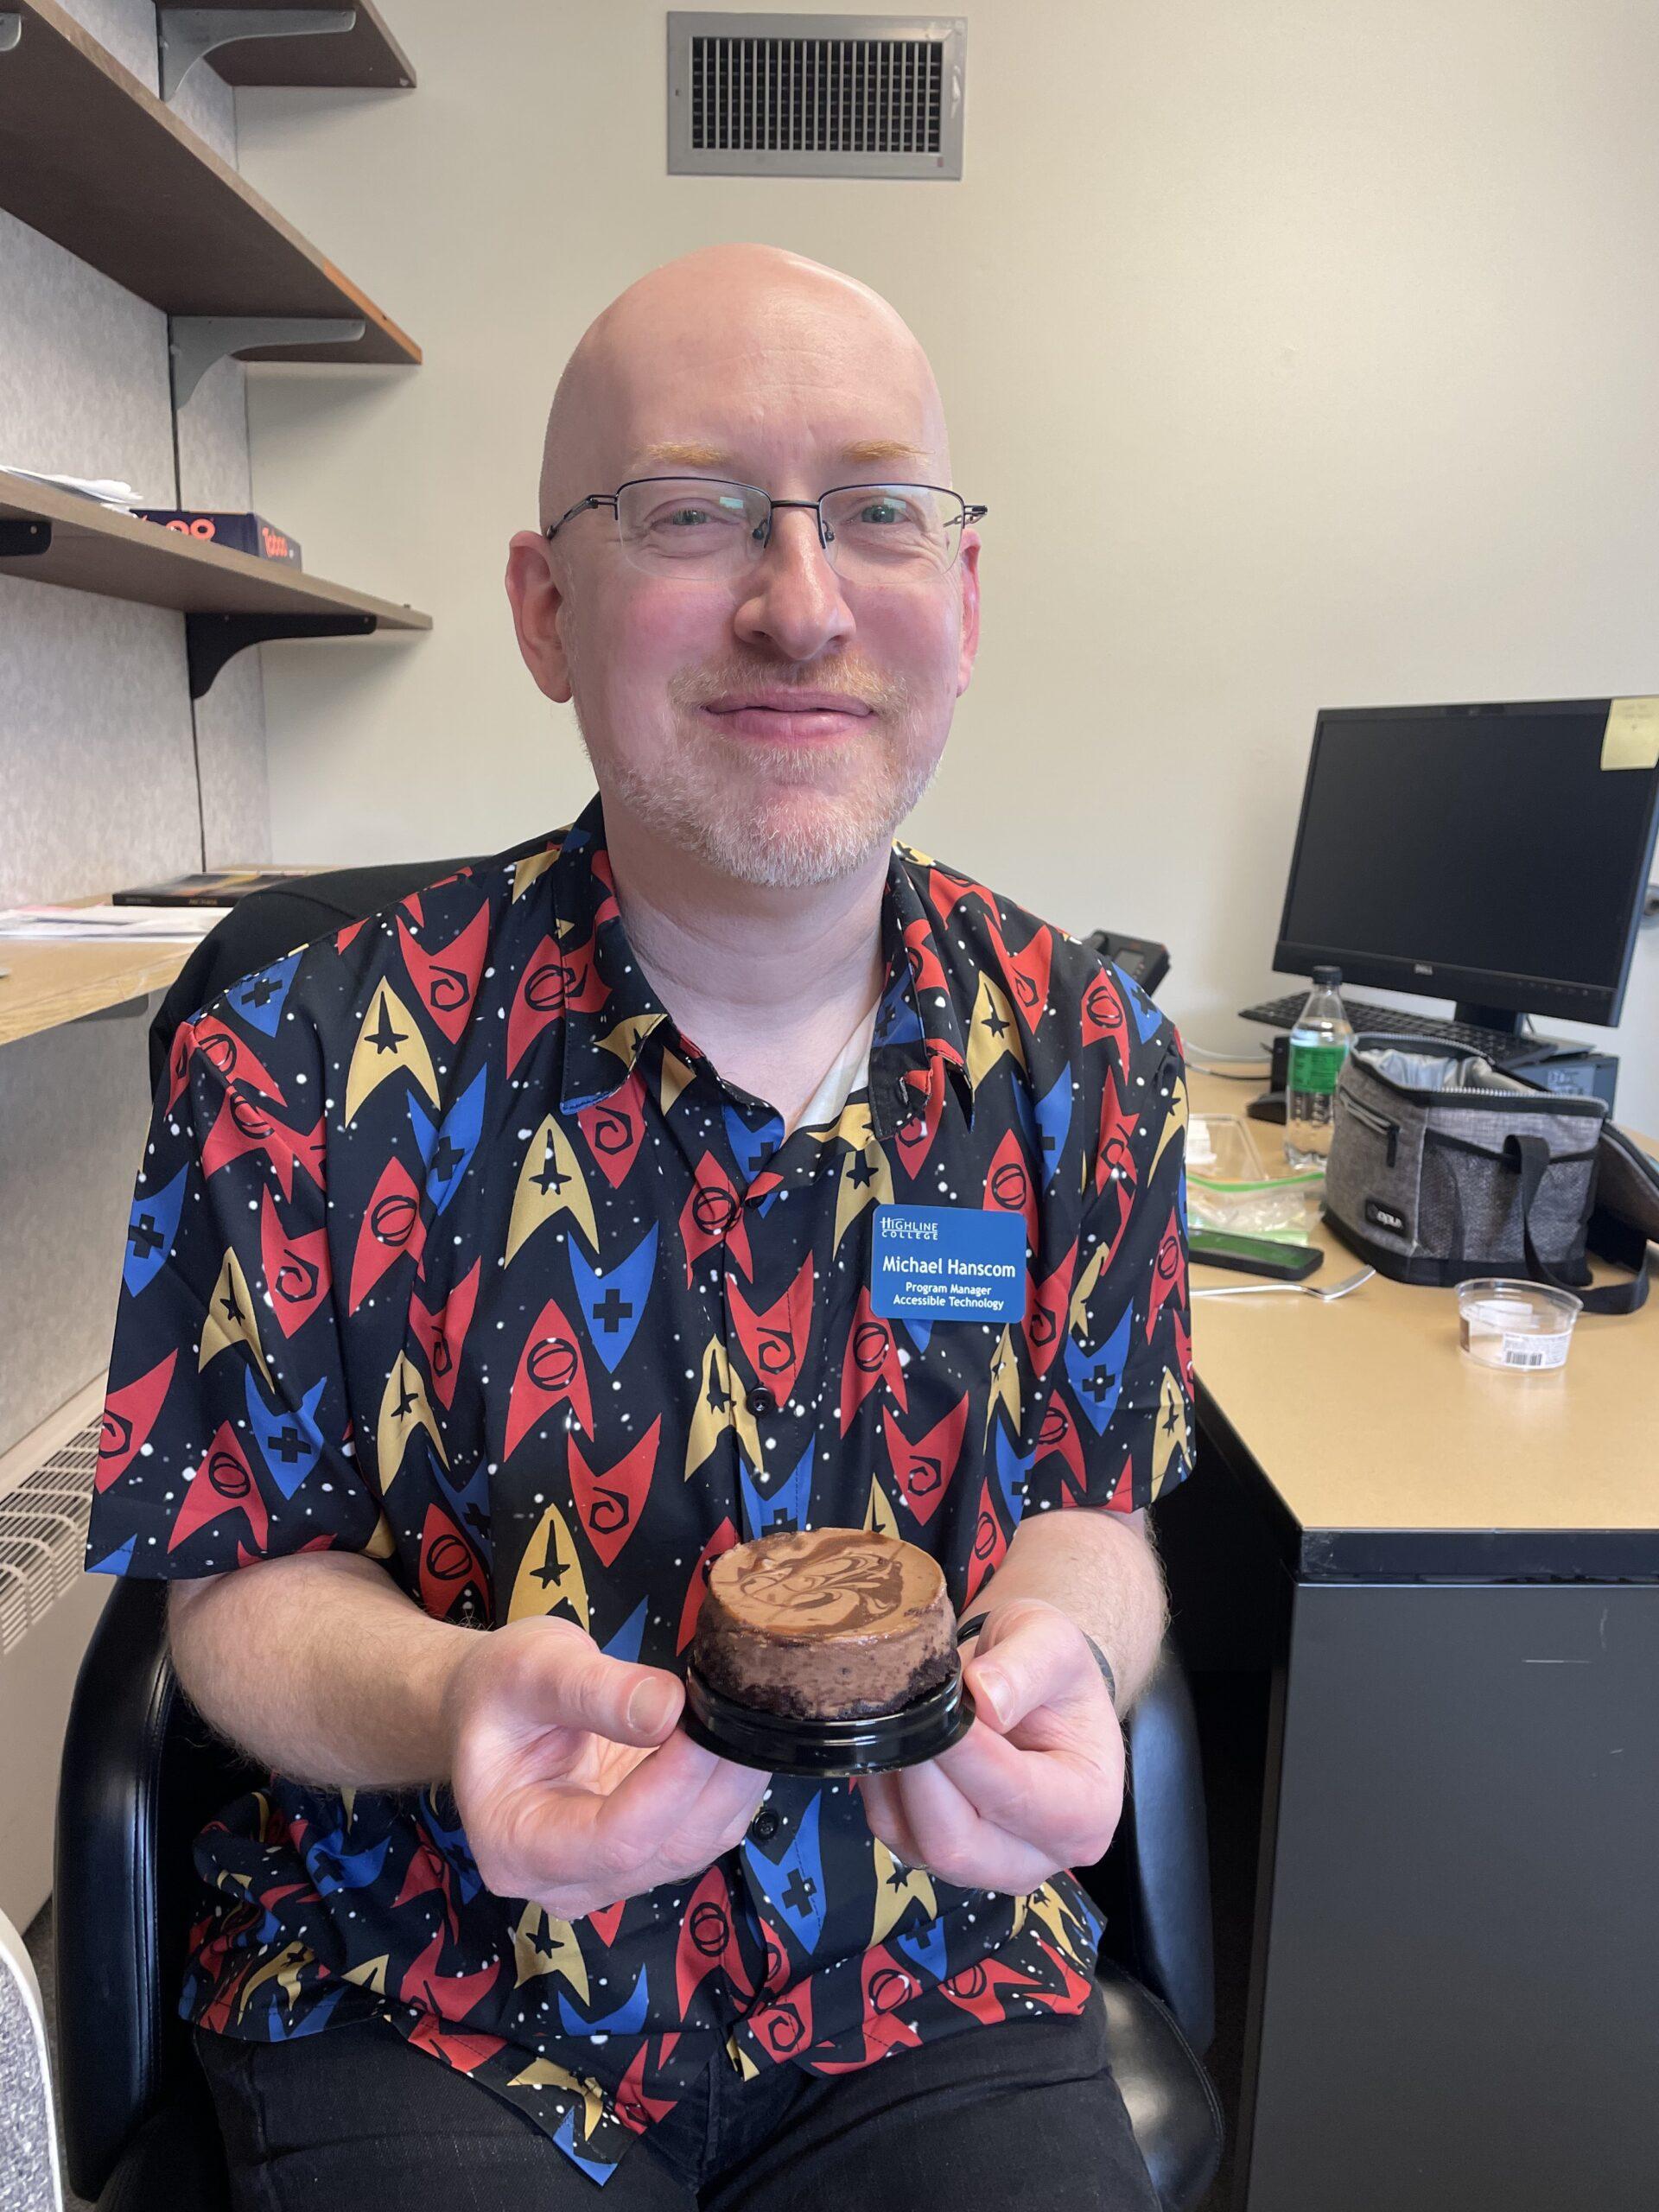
<point x="815" y="95"/>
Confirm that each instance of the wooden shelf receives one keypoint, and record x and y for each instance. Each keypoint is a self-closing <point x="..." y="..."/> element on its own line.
<point x="366" y="56"/>
<point x="99" y="548"/>
<point x="51" y="984"/>
<point x="92" y="160"/>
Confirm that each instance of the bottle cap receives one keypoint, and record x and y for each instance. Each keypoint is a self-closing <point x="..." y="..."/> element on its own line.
<point x="1332" y="975"/>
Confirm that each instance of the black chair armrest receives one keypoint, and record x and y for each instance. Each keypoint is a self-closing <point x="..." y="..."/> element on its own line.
<point x="141" y="1774"/>
<point x="1153" y="1884"/>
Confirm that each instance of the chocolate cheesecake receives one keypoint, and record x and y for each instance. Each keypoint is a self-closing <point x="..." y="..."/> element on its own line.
<point x="825" y="1624"/>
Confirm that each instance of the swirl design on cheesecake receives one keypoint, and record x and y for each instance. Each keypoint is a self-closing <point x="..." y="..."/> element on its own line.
<point x="828" y="1583"/>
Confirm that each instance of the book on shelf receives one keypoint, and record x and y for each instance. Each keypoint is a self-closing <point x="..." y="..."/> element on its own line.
<point x="243" y="533"/>
<point x="213" y="887"/>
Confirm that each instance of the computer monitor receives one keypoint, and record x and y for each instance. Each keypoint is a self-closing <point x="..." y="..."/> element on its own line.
<point x="1496" y="855"/>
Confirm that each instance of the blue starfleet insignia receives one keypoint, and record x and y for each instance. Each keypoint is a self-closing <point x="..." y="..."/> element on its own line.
<point x="627" y="2020"/>
<point x="613" y="1303"/>
<point x="332" y="1867"/>
<point x="789" y="1506"/>
<point x="752" y="1148"/>
<point x="1146" y="1016"/>
<point x="1096" y="1377"/>
<point x="260" y="999"/>
<point x="1053" y="1120"/>
<point x="448" y="1160"/>
<point x="1011" y="1473"/>
<point x="150" y="1231"/>
<point x="625" y="1644"/>
<point x="793" y="1886"/>
<point x="289" y="1441"/>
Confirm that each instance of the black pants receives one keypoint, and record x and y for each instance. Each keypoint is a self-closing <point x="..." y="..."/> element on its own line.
<point x="1023" y="2116"/>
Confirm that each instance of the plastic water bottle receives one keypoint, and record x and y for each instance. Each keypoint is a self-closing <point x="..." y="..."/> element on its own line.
<point x="1319" y="1045"/>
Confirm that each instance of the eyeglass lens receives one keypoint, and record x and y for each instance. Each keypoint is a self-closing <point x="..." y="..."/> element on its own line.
<point x="702" y="527"/>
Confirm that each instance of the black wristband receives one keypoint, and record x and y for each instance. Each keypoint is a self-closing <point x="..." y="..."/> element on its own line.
<point x="972" y="1624"/>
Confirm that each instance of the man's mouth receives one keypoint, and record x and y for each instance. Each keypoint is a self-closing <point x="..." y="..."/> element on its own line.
<point x="791" y="722"/>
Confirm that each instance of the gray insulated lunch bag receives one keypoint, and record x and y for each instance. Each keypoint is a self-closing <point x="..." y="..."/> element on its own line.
<point x="1442" y="1168"/>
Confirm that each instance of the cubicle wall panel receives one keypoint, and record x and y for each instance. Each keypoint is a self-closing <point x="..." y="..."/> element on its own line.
<point x="74" y="1109"/>
<point x="84" y="387"/>
<point x="97" y="767"/>
<point x="1468" y="1802"/>
<point x="235" y="789"/>
<point x="126" y="28"/>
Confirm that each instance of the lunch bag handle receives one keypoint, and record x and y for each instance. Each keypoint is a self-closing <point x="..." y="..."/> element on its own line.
<point x="1530" y="1157"/>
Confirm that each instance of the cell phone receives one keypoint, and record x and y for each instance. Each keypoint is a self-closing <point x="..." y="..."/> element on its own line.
<point x="1255" y="1255"/>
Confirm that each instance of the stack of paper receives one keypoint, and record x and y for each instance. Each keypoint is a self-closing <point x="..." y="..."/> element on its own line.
<point x="111" y="491"/>
<point x="111" y="924"/>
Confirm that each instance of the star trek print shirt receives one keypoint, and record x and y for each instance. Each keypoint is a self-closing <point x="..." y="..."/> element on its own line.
<point x="449" y="1248"/>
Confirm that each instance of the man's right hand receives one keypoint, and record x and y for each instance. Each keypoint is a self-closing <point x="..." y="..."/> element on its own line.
<point x="573" y="1781"/>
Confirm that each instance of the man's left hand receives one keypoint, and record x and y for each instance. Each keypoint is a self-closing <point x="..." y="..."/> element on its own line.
<point x="1037" y="1782"/>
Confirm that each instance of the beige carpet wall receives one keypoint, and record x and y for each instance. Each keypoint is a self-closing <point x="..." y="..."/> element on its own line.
<point x="1303" y="354"/>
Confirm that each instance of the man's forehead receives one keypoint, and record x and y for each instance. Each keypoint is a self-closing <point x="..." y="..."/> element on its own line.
<point x="654" y="456"/>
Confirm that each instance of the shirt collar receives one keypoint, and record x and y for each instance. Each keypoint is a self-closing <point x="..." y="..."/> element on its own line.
<point x="610" y="1009"/>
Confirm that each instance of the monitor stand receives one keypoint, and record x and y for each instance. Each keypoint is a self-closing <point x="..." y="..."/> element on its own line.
<point x="1488" y="1017"/>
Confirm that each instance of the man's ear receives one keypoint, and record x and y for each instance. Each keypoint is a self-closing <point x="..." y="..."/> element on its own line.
<point x="967" y="561"/>
<point x="536" y="600"/>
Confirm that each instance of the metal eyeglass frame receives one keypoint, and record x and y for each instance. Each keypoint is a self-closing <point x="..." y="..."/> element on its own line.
<point x="970" y="512"/>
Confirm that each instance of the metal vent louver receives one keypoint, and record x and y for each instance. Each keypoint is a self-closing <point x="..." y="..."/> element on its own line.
<point x="767" y="95"/>
<point x="44" y="1534"/>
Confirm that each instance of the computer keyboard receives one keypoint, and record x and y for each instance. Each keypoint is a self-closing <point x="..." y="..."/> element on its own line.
<point x="1498" y="1045"/>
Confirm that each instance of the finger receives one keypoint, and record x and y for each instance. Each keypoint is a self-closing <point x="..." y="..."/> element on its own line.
<point x="653" y="1824"/>
<point x="679" y="1809"/>
<point x="562" y="1676"/>
<point x="957" y="1844"/>
<point x="885" y="1815"/>
<point x="1059" y="1801"/>
<point x="1030" y="1655"/>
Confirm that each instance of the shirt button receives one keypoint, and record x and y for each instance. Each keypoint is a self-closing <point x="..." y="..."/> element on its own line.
<point x="764" y="1826"/>
<point x="761" y="1400"/>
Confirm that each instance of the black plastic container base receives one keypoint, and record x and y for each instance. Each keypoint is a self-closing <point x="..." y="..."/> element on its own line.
<point x="783" y="1744"/>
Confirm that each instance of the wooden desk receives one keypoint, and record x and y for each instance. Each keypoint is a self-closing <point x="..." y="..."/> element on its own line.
<point x="1454" y="1988"/>
<point x="1442" y="1465"/>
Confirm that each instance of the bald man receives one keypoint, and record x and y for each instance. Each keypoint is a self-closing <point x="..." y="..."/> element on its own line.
<point x="714" y="1167"/>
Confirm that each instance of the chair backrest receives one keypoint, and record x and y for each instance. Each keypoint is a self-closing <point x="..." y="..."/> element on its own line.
<point x="28" y="2156"/>
<point x="268" y="923"/>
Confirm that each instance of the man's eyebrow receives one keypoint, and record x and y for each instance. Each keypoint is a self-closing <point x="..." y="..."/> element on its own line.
<point x="680" y="453"/>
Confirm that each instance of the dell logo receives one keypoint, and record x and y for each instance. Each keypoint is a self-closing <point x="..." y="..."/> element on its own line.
<point x="1421" y="968"/>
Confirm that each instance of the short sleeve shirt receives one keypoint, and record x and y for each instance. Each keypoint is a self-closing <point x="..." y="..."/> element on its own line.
<point x="450" y="1249"/>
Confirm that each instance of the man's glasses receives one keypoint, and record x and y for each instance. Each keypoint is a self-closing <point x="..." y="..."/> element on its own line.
<point x="705" y="530"/>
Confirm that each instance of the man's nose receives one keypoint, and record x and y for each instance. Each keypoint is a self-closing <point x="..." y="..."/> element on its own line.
<point x="794" y="596"/>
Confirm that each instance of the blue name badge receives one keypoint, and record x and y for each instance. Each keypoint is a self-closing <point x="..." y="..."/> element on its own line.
<point x="948" y="1263"/>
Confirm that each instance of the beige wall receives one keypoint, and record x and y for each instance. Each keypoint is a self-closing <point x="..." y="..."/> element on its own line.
<point x="1302" y="353"/>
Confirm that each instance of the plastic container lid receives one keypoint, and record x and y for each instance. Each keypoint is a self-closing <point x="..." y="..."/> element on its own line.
<point x="1523" y="1327"/>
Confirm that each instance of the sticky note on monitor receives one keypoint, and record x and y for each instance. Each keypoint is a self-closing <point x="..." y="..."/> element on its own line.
<point x="1631" y="737"/>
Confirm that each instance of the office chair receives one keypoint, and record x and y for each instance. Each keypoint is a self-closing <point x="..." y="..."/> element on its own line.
<point x="141" y="1776"/>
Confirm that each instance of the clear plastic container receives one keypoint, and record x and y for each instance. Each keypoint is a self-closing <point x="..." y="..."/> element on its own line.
<point x="1523" y="1327"/>
<point x="1227" y="1189"/>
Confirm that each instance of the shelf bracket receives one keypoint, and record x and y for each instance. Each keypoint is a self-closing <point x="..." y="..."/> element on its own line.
<point x="197" y="341"/>
<point x="11" y="29"/>
<point x="212" y="639"/>
<point x="187" y="34"/>
<point x="19" y="536"/>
